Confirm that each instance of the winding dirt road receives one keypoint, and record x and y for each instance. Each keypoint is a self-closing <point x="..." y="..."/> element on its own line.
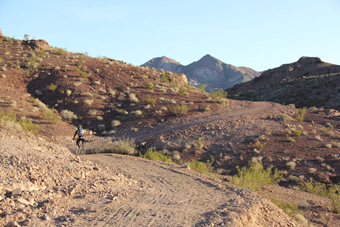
<point x="180" y="197"/>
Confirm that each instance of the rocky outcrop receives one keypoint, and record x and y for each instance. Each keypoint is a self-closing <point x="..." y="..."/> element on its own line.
<point x="208" y="70"/>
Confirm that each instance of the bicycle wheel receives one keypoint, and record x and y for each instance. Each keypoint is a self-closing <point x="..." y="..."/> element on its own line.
<point x="82" y="149"/>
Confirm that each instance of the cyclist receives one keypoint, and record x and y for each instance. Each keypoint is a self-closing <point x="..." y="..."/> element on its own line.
<point x="81" y="137"/>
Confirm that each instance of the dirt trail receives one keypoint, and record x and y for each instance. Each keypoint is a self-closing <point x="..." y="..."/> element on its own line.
<point x="259" y="106"/>
<point x="180" y="197"/>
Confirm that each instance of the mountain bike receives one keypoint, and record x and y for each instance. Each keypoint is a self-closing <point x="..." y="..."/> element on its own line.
<point x="81" y="149"/>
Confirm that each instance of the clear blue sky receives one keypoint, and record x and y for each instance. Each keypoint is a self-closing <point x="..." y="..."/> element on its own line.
<point x="259" y="34"/>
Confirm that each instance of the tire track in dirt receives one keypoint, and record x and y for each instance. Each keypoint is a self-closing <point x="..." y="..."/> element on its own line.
<point x="174" y="198"/>
<point x="177" y="196"/>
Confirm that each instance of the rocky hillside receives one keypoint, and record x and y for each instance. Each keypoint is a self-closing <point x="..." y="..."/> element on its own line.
<point x="46" y="91"/>
<point x="208" y="70"/>
<point x="305" y="83"/>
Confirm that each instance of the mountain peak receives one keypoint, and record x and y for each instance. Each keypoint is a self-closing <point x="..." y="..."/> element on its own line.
<point x="309" y="60"/>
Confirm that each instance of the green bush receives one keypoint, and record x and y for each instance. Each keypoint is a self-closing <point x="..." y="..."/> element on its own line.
<point x="301" y="115"/>
<point x="81" y="73"/>
<point x="296" y="133"/>
<point x="165" y="78"/>
<point x="180" y="110"/>
<point x="201" y="167"/>
<point x="25" y="124"/>
<point x="202" y="87"/>
<point x="52" y="87"/>
<point x="254" y="177"/>
<point x="50" y="115"/>
<point x="291" y="209"/>
<point x="149" y="85"/>
<point x="218" y="95"/>
<point x="125" y="146"/>
<point x="150" y="101"/>
<point x="323" y="190"/>
<point x="153" y="154"/>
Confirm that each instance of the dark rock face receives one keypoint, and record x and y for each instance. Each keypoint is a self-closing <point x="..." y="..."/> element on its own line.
<point x="305" y="83"/>
<point x="208" y="70"/>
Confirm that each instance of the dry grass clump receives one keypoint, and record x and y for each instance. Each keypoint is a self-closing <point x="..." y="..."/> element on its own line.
<point x="88" y="102"/>
<point x="206" y="108"/>
<point x="92" y="112"/>
<point x="115" y="123"/>
<point x="125" y="146"/>
<point x="318" y="138"/>
<point x="312" y="170"/>
<point x="180" y="110"/>
<point x="150" y="101"/>
<point x="291" y="165"/>
<point x="328" y="145"/>
<point x="133" y="97"/>
<point x="68" y="115"/>
<point x="138" y="113"/>
<point x="285" y="117"/>
<point x="68" y="92"/>
<point x="319" y="159"/>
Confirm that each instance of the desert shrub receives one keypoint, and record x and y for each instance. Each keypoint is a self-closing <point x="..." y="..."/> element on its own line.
<point x="165" y="78"/>
<point x="153" y="154"/>
<point x="318" y="138"/>
<point x="323" y="190"/>
<point x="312" y="170"/>
<point x="254" y="176"/>
<point x="163" y="109"/>
<point x="88" y="102"/>
<point x="319" y="159"/>
<point x="328" y="145"/>
<point x="206" y="108"/>
<point x="115" y="123"/>
<point x="50" y="115"/>
<point x="201" y="167"/>
<point x="13" y="126"/>
<point x="291" y="209"/>
<point x="296" y="133"/>
<point x="133" y="98"/>
<point x="92" y="112"/>
<point x="202" y="87"/>
<point x="81" y="73"/>
<point x="68" y="92"/>
<point x="52" y="87"/>
<point x="138" y="113"/>
<point x="285" y="117"/>
<point x="112" y="92"/>
<point x="301" y="115"/>
<point x="180" y="110"/>
<point x="218" y="95"/>
<point x="149" y="86"/>
<point x="336" y="203"/>
<point x="199" y="143"/>
<point x="183" y="91"/>
<point x="68" y="115"/>
<point x="125" y="146"/>
<point x="60" y="51"/>
<point x="291" y="165"/>
<point x="150" y="101"/>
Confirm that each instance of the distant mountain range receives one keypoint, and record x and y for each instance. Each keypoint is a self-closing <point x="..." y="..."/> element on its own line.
<point x="305" y="83"/>
<point x="208" y="70"/>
